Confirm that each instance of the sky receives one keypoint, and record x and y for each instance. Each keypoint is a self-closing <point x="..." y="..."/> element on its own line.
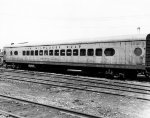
<point x="58" y="21"/>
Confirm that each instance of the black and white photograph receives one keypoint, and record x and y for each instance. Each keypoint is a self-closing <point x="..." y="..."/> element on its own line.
<point x="74" y="59"/>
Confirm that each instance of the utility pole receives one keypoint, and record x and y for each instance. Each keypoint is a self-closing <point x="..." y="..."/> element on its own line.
<point x="138" y="30"/>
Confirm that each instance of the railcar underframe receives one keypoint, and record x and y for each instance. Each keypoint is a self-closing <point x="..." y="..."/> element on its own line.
<point x="107" y="70"/>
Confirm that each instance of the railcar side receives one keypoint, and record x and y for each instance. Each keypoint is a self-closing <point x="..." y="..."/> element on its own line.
<point x="111" y="57"/>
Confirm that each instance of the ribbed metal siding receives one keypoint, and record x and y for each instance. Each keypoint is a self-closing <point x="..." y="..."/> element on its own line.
<point x="148" y="50"/>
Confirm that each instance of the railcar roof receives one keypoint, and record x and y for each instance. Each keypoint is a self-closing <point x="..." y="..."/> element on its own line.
<point x="124" y="38"/>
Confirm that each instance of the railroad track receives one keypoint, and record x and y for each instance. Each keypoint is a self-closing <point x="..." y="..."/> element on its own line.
<point x="5" y="114"/>
<point x="81" y="78"/>
<point x="22" y="108"/>
<point x="138" y="91"/>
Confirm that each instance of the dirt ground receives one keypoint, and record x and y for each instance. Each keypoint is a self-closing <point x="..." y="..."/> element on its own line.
<point x="104" y="105"/>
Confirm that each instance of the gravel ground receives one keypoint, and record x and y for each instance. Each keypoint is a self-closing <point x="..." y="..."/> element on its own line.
<point x="27" y="110"/>
<point x="107" y="106"/>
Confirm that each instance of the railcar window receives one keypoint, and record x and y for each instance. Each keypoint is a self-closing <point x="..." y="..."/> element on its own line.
<point x="69" y="52"/>
<point x="109" y="51"/>
<point x="56" y="52"/>
<point x="62" y="52"/>
<point x="41" y="52"/>
<point x="28" y="52"/>
<point x="138" y="51"/>
<point x="32" y="52"/>
<point x="45" y="52"/>
<point x="4" y="52"/>
<point x="51" y="52"/>
<point x="36" y="52"/>
<point x="16" y="53"/>
<point x="11" y="53"/>
<point x="98" y="52"/>
<point x="23" y="52"/>
<point x="82" y="52"/>
<point x="90" y="52"/>
<point x="75" y="52"/>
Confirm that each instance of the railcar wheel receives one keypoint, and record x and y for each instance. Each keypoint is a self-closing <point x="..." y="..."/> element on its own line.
<point x="147" y="75"/>
<point x="109" y="74"/>
<point x="121" y="76"/>
<point x="13" y="66"/>
<point x="131" y="75"/>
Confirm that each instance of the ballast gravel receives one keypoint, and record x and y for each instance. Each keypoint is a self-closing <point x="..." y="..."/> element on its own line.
<point x="103" y="105"/>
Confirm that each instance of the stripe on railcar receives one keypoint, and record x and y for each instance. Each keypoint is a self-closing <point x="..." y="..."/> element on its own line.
<point x="98" y="65"/>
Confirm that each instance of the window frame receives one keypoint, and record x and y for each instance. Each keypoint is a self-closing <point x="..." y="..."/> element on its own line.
<point x="68" y="52"/>
<point x="81" y="52"/>
<point x="89" y="53"/>
<point x="15" y="53"/>
<point x="23" y="52"/>
<point x="62" y="52"/>
<point x="36" y="52"/>
<point x="138" y="51"/>
<point x="40" y="52"/>
<point x="75" y="51"/>
<point x="98" y="54"/>
<point x="32" y="52"/>
<point x="4" y="52"/>
<point x="45" y="52"/>
<point x="27" y="52"/>
<point x="51" y="52"/>
<point x="110" y="50"/>
<point x="56" y="52"/>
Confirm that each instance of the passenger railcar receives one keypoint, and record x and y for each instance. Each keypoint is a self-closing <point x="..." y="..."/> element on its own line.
<point x="122" y="55"/>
